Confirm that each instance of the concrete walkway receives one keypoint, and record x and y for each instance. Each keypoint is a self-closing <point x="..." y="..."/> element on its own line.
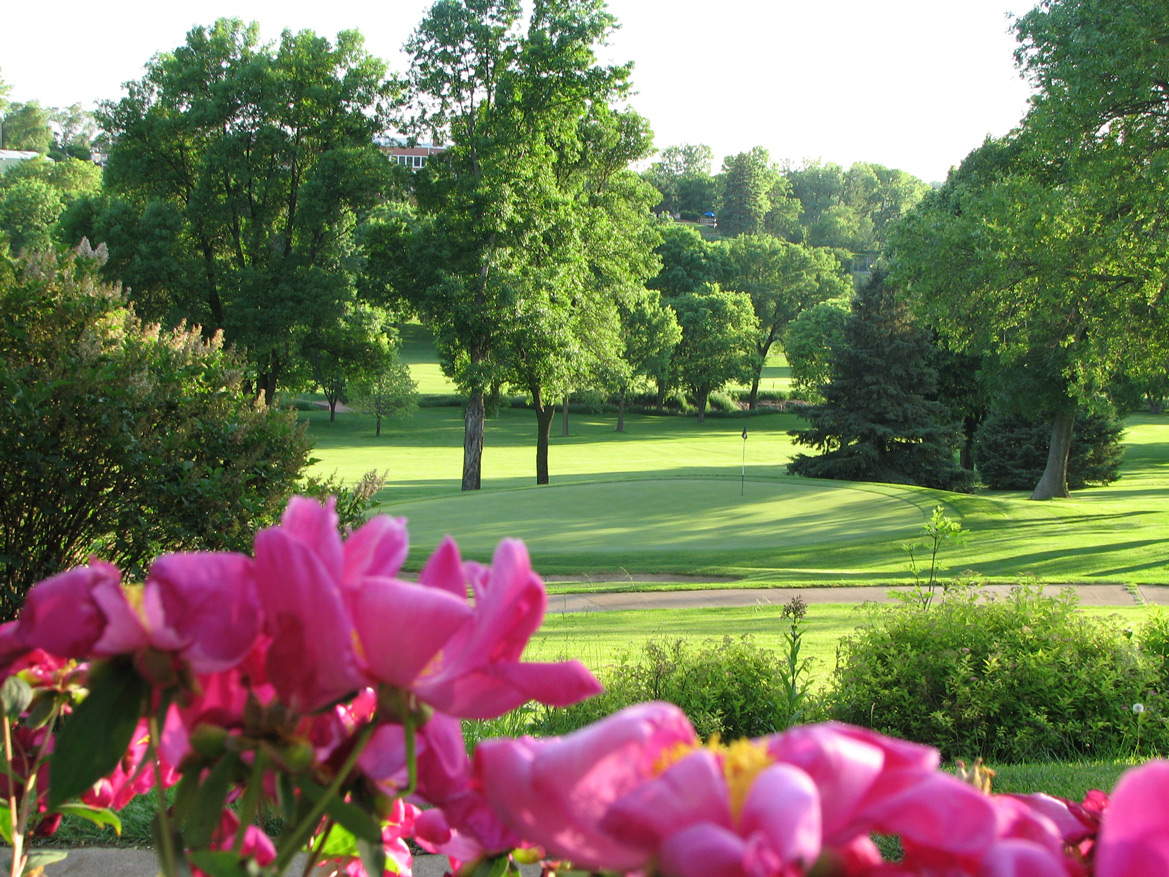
<point x="601" y="601"/>
<point x="94" y="862"/>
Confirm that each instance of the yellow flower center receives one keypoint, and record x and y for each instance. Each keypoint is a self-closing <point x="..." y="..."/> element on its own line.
<point x="742" y="761"/>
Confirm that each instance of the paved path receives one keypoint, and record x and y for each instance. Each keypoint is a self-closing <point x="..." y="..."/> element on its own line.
<point x="93" y="862"/>
<point x="601" y="601"/>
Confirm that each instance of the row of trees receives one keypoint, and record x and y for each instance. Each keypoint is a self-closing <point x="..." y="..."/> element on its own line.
<point x="244" y="194"/>
<point x="1039" y="265"/>
<point x="819" y="204"/>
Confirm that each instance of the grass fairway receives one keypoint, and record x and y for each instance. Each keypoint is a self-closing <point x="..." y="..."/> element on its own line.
<point x="668" y="496"/>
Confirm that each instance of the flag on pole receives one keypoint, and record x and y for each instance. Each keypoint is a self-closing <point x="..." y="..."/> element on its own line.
<point x="744" y="433"/>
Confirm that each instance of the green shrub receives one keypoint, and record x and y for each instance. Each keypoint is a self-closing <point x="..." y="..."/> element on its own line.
<point x="1024" y="677"/>
<point x="730" y="687"/>
<point x="121" y="439"/>
<point x="1010" y="450"/>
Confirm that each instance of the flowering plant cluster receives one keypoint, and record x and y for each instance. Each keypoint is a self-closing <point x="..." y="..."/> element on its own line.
<point x="310" y="679"/>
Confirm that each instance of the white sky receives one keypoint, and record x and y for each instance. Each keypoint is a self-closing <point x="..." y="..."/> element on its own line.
<point x="910" y="84"/>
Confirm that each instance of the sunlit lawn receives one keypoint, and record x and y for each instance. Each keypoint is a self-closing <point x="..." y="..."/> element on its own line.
<point x="670" y="495"/>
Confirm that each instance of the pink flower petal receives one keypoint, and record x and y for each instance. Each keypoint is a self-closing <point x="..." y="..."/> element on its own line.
<point x="555" y="792"/>
<point x="1134" y="832"/>
<point x="203" y="606"/>
<point x="444" y="569"/>
<point x="783" y="805"/>
<point x="377" y="548"/>
<point x="703" y="850"/>
<point x="403" y="627"/>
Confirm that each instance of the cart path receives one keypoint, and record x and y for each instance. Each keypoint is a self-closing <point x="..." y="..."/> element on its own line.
<point x="612" y="601"/>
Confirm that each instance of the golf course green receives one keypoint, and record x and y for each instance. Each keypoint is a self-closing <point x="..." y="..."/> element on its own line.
<point x="672" y="497"/>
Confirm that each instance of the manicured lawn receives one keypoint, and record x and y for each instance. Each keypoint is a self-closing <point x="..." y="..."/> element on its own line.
<point x="669" y="496"/>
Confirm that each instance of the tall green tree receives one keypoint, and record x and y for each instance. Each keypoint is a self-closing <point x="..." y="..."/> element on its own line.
<point x="689" y="261"/>
<point x="1020" y="260"/>
<point x="35" y="194"/>
<point x="808" y="344"/>
<point x="783" y="279"/>
<point x="747" y="182"/>
<point x="1051" y="239"/>
<point x="527" y="227"/>
<point x="682" y="176"/>
<point x="26" y="126"/>
<point x="344" y="353"/>
<point x="243" y="170"/>
<point x="649" y="335"/>
<point x="718" y="340"/>
<point x="877" y="421"/>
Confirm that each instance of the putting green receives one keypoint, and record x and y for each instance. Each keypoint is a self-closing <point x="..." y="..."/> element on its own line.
<point x="636" y="524"/>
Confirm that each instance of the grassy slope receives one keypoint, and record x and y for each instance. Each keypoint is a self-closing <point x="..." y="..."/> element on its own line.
<point x="667" y="496"/>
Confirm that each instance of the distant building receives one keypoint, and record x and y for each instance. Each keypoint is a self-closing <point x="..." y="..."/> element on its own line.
<point x="12" y="157"/>
<point x="413" y="157"/>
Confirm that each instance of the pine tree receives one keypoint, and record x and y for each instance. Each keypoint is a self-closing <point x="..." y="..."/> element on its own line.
<point x="878" y="422"/>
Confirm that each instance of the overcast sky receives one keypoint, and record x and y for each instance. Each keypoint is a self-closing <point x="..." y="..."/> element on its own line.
<point x="910" y="84"/>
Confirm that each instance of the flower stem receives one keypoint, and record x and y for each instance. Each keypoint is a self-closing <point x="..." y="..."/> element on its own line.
<point x="291" y="843"/>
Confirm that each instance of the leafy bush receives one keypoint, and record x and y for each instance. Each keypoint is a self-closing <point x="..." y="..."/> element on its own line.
<point x="1010" y="450"/>
<point x="1020" y="678"/>
<point x="730" y="687"/>
<point x="120" y="439"/>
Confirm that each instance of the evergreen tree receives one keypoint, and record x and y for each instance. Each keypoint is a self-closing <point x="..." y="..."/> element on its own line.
<point x="877" y="422"/>
<point x="1010" y="448"/>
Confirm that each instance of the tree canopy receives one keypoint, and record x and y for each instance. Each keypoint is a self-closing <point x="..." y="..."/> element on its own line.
<point x="528" y="227"/>
<point x="877" y="421"/>
<point x="240" y="172"/>
<point x="1044" y="248"/>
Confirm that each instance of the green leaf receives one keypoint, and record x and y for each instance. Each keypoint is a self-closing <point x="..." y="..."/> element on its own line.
<point x="209" y="803"/>
<point x="220" y="863"/>
<point x="100" y="816"/>
<point x="42" y="859"/>
<point x="6" y="823"/>
<point x="373" y="856"/>
<point x="42" y="709"/>
<point x="95" y="737"/>
<point x="185" y="792"/>
<point x="354" y="819"/>
<point x="340" y="842"/>
<point x="15" y="696"/>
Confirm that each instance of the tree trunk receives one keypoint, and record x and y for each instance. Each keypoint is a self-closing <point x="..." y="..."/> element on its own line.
<point x="621" y="413"/>
<point x="701" y="400"/>
<point x="1054" y="482"/>
<point x="473" y="425"/>
<point x="378" y="431"/>
<point x="753" y="399"/>
<point x="266" y="387"/>
<point x="564" y="418"/>
<point x="544" y="417"/>
<point x="332" y="410"/>
<point x="661" y="395"/>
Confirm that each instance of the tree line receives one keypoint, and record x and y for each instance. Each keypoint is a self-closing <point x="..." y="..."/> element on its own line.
<point x="244" y="193"/>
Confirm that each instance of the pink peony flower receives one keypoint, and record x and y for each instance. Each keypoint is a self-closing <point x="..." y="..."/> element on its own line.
<point x="558" y="792"/>
<point x="312" y="661"/>
<point x="340" y="620"/>
<point x="80" y="614"/>
<point x="1134" y="831"/>
<point x="203" y="607"/>
<point x="478" y="672"/>
<point x="636" y="790"/>
<point x="200" y="607"/>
